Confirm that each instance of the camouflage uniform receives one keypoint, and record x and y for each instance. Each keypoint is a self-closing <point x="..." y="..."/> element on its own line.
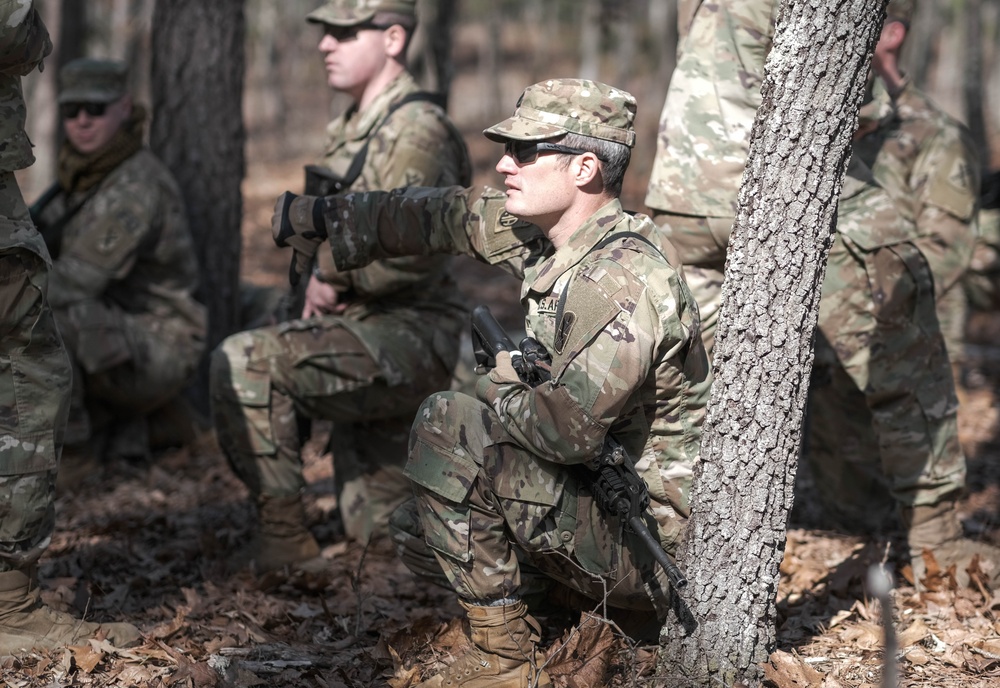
<point x="502" y="480"/>
<point x="927" y="163"/>
<point x="630" y="364"/>
<point x="882" y="389"/>
<point x="704" y="137"/>
<point x="122" y="286"/>
<point x="34" y="370"/>
<point x="368" y="368"/>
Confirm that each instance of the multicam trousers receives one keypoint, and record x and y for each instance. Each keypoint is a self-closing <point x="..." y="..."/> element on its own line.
<point x="34" y="396"/>
<point x="266" y="383"/>
<point x="883" y="395"/>
<point x="496" y="521"/>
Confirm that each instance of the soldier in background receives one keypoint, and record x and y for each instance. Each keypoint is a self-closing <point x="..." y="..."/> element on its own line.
<point x="503" y="504"/>
<point x="883" y="395"/>
<point x="34" y="374"/>
<point x="704" y="137"/>
<point x="928" y="163"/>
<point x="883" y="409"/>
<point x="124" y="276"/>
<point x="371" y="343"/>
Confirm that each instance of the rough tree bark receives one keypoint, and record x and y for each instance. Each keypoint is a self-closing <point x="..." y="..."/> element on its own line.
<point x="197" y="75"/>
<point x="742" y="490"/>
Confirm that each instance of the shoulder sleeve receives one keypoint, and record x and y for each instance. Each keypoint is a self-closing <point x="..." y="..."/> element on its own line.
<point x="946" y="173"/>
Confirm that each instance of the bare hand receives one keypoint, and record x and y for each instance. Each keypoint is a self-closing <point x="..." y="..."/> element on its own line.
<point x="321" y="299"/>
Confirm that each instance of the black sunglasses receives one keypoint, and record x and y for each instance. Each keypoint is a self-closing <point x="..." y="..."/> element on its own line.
<point x="526" y="152"/>
<point x="71" y="110"/>
<point x="348" y="33"/>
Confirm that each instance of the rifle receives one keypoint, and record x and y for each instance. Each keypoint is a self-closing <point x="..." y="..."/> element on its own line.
<point x="618" y="489"/>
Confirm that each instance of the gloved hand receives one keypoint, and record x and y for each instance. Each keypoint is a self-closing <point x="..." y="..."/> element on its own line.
<point x="298" y="222"/>
<point x="488" y="386"/>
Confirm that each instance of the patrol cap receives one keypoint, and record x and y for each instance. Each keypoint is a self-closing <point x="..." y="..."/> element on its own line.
<point x="351" y="12"/>
<point x="901" y="9"/>
<point x="88" y="80"/>
<point x="562" y="106"/>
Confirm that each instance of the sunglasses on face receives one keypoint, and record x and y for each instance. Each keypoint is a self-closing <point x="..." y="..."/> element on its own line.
<point x="526" y="152"/>
<point x="71" y="110"/>
<point x="342" y="34"/>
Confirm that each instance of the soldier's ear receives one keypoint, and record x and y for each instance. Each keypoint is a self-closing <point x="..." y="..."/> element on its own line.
<point x="395" y="41"/>
<point x="893" y="34"/>
<point x="587" y="168"/>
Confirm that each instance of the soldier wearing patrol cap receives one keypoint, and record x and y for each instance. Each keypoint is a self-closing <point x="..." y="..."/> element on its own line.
<point x="503" y="511"/>
<point x="371" y="343"/>
<point x="927" y="164"/>
<point x="125" y="272"/>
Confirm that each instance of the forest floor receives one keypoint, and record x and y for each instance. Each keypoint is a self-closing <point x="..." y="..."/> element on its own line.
<point x="149" y="544"/>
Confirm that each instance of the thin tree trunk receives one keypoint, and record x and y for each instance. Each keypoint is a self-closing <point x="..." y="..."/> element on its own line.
<point x="972" y="76"/>
<point x="430" y="51"/>
<point x="590" y="39"/>
<point x="743" y="484"/>
<point x="198" y="64"/>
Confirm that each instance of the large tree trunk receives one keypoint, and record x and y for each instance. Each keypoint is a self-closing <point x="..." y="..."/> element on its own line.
<point x="198" y="62"/>
<point x="742" y="490"/>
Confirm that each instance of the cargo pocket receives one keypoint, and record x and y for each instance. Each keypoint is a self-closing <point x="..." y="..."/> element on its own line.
<point x="449" y="476"/>
<point x="254" y="395"/>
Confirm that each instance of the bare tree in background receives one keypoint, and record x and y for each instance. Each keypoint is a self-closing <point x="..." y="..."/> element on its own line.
<point x="743" y="484"/>
<point x="430" y="51"/>
<point x="197" y="77"/>
<point x="972" y="77"/>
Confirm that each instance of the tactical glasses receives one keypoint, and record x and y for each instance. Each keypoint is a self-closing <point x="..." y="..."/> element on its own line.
<point x="342" y="34"/>
<point x="526" y="152"/>
<point x="71" y="110"/>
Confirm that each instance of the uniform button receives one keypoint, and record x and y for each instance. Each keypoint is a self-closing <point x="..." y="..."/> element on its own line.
<point x="566" y="536"/>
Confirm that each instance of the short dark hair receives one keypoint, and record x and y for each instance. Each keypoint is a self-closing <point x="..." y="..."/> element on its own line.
<point x="615" y="158"/>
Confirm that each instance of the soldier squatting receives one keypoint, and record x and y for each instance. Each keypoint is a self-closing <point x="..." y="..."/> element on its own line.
<point x="488" y="491"/>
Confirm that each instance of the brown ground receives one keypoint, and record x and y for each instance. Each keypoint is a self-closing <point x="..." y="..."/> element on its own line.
<point x="149" y="544"/>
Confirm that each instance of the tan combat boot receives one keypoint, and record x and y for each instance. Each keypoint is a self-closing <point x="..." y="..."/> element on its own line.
<point x="283" y="539"/>
<point x="27" y="624"/>
<point x="937" y="529"/>
<point x="503" y="653"/>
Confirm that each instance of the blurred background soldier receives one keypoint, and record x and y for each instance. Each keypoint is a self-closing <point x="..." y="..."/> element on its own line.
<point x="34" y="373"/>
<point x="704" y="137"/>
<point x="928" y="163"/>
<point x="883" y="429"/>
<point x="124" y="275"/>
<point x="882" y="393"/>
<point x="372" y="343"/>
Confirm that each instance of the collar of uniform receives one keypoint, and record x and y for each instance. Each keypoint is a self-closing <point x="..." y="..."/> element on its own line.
<point x="580" y="243"/>
<point x="359" y="125"/>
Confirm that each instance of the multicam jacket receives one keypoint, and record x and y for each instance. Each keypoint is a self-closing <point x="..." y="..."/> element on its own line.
<point x="714" y="94"/>
<point x="927" y="163"/>
<point x="626" y="350"/>
<point x="24" y="42"/>
<point x="129" y="245"/>
<point x="416" y="146"/>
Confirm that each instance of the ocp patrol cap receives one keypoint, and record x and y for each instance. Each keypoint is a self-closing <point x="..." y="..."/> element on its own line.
<point x="351" y="12"/>
<point x="562" y="106"/>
